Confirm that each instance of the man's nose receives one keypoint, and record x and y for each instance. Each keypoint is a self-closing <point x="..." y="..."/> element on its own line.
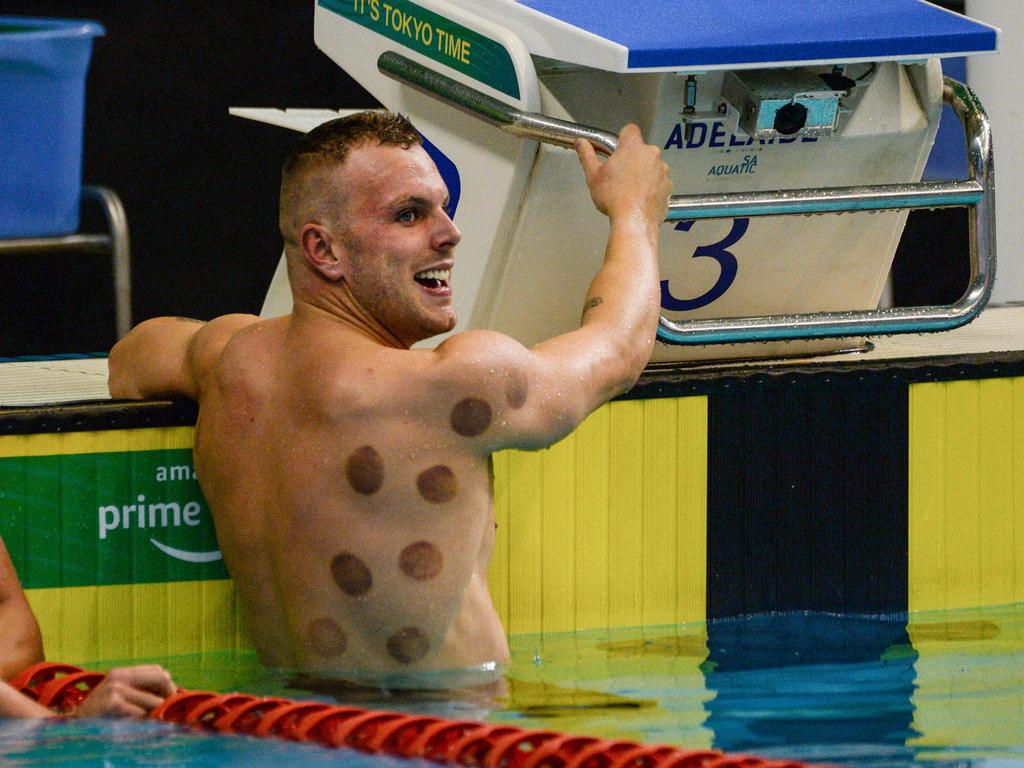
<point x="448" y="234"/>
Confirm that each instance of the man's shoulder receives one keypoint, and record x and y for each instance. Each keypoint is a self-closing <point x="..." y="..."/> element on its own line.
<point x="477" y="345"/>
<point x="381" y="375"/>
<point x="227" y="343"/>
<point x="484" y="364"/>
<point x="471" y="354"/>
<point x="227" y="326"/>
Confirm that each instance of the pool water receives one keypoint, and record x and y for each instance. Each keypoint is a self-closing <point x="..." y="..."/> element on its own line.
<point x="127" y="743"/>
<point x="944" y="689"/>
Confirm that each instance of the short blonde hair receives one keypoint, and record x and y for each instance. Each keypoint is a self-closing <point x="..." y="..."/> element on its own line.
<point x="305" y="189"/>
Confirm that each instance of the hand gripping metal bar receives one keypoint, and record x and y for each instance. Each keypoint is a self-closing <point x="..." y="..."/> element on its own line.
<point x="977" y="192"/>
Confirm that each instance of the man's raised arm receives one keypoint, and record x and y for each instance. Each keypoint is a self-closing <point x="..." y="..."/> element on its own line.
<point x="170" y="356"/>
<point x="621" y="308"/>
<point x="544" y="392"/>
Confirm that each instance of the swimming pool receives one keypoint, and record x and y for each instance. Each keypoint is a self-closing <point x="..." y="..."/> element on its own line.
<point x="947" y="688"/>
<point x="624" y="523"/>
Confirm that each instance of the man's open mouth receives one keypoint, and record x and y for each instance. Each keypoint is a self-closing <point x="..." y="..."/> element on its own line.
<point x="434" y="279"/>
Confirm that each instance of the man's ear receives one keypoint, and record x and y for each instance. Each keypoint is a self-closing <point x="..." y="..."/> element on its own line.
<point x="322" y="250"/>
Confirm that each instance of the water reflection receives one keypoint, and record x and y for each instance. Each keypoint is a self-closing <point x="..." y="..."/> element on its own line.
<point x="809" y="686"/>
<point x="946" y="690"/>
<point x="870" y="691"/>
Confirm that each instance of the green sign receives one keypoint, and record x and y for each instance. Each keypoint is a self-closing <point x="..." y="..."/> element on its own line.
<point x="107" y="518"/>
<point x="433" y="35"/>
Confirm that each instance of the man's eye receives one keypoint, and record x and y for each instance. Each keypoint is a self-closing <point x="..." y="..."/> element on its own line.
<point x="407" y="217"/>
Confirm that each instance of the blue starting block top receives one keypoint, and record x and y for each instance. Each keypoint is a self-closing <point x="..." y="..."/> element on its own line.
<point x="717" y="34"/>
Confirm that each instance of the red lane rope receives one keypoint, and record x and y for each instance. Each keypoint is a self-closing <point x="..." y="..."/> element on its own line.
<point x="397" y="738"/>
<point x="555" y="753"/>
<point x="437" y="740"/>
<point x="319" y="725"/>
<point x="455" y="742"/>
<point x="246" y="717"/>
<point x="283" y="721"/>
<point x="647" y="756"/>
<point x="472" y="748"/>
<point x="31" y="679"/>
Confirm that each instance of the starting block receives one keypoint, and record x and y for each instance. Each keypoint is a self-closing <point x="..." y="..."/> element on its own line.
<point x="770" y="115"/>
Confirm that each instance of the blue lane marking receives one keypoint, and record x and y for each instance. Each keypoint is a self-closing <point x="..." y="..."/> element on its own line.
<point x="784" y="209"/>
<point x="811" y="332"/>
<point x="694" y="33"/>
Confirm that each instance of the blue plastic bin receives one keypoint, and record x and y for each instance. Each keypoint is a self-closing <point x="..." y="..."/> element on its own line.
<point x="42" y="102"/>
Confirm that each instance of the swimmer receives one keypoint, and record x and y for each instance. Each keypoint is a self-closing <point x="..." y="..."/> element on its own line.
<point x="124" y="692"/>
<point x="349" y="475"/>
<point x="21" y="644"/>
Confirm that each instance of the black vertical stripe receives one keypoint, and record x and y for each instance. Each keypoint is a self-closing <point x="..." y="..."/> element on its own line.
<point x="807" y="496"/>
<point x="811" y="679"/>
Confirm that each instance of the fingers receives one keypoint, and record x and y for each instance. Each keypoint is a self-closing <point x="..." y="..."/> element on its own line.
<point x="148" y="677"/>
<point x="588" y="157"/>
<point x="114" y="700"/>
<point x="140" y="700"/>
<point x="128" y="692"/>
<point x="630" y="133"/>
<point x="634" y="180"/>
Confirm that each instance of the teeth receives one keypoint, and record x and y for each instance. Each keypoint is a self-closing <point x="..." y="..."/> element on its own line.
<point x="434" y="274"/>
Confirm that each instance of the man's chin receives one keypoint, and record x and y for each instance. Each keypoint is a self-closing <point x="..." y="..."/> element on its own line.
<point x="438" y="330"/>
<point x="436" y="327"/>
<point x="442" y="323"/>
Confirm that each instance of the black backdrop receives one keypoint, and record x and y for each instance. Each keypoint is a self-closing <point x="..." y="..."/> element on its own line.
<point x="200" y="187"/>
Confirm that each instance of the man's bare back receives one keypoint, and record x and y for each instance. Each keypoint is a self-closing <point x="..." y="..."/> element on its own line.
<point x="348" y="474"/>
<point x="355" y="516"/>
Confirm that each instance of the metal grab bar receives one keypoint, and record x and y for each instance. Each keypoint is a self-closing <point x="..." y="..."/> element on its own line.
<point x="977" y="192"/>
<point x="120" y="253"/>
<point x="115" y="243"/>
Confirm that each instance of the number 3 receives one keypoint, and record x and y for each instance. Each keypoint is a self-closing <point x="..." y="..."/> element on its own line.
<point x="718" y="251"/>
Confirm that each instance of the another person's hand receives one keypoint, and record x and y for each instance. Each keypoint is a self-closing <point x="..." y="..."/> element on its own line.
<point x="634" y="180"/>
<point x="127" y="692"/>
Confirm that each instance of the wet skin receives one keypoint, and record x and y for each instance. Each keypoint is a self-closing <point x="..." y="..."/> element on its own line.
<point x="349" y="556"/>
<point x="351" y="507"/>
<point x="349" y="476"/>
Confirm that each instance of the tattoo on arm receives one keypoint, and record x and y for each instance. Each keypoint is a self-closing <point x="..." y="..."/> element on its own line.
<point x="591" y="303"/>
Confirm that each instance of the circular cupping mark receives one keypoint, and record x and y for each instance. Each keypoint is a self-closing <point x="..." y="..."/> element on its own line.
<point x="409" y="644"/>
<point x="326" y="638"/>
<point x="437" y="484"/>
<point x="351" y="574"/>
<point x="470" y="417"/>
<point x="421" y="561"/>
<point x="365" y="470"/>
<point x="516" y="389"/>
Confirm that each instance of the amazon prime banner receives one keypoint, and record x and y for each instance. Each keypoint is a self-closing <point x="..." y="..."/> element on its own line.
<point x="107" y="518"/>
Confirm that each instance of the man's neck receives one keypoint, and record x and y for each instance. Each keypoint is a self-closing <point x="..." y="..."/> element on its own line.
<point x="346" y="311"/>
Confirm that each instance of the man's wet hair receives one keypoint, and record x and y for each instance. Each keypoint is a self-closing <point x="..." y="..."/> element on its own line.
<point x="323" y="149"/>
<point x="331" y="141"/>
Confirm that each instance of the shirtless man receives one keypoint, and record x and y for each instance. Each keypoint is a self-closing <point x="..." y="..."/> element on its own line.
<point x="349" y="475"/>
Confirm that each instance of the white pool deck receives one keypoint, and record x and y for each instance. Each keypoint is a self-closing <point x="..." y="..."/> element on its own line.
<point x="999" y="330"/>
